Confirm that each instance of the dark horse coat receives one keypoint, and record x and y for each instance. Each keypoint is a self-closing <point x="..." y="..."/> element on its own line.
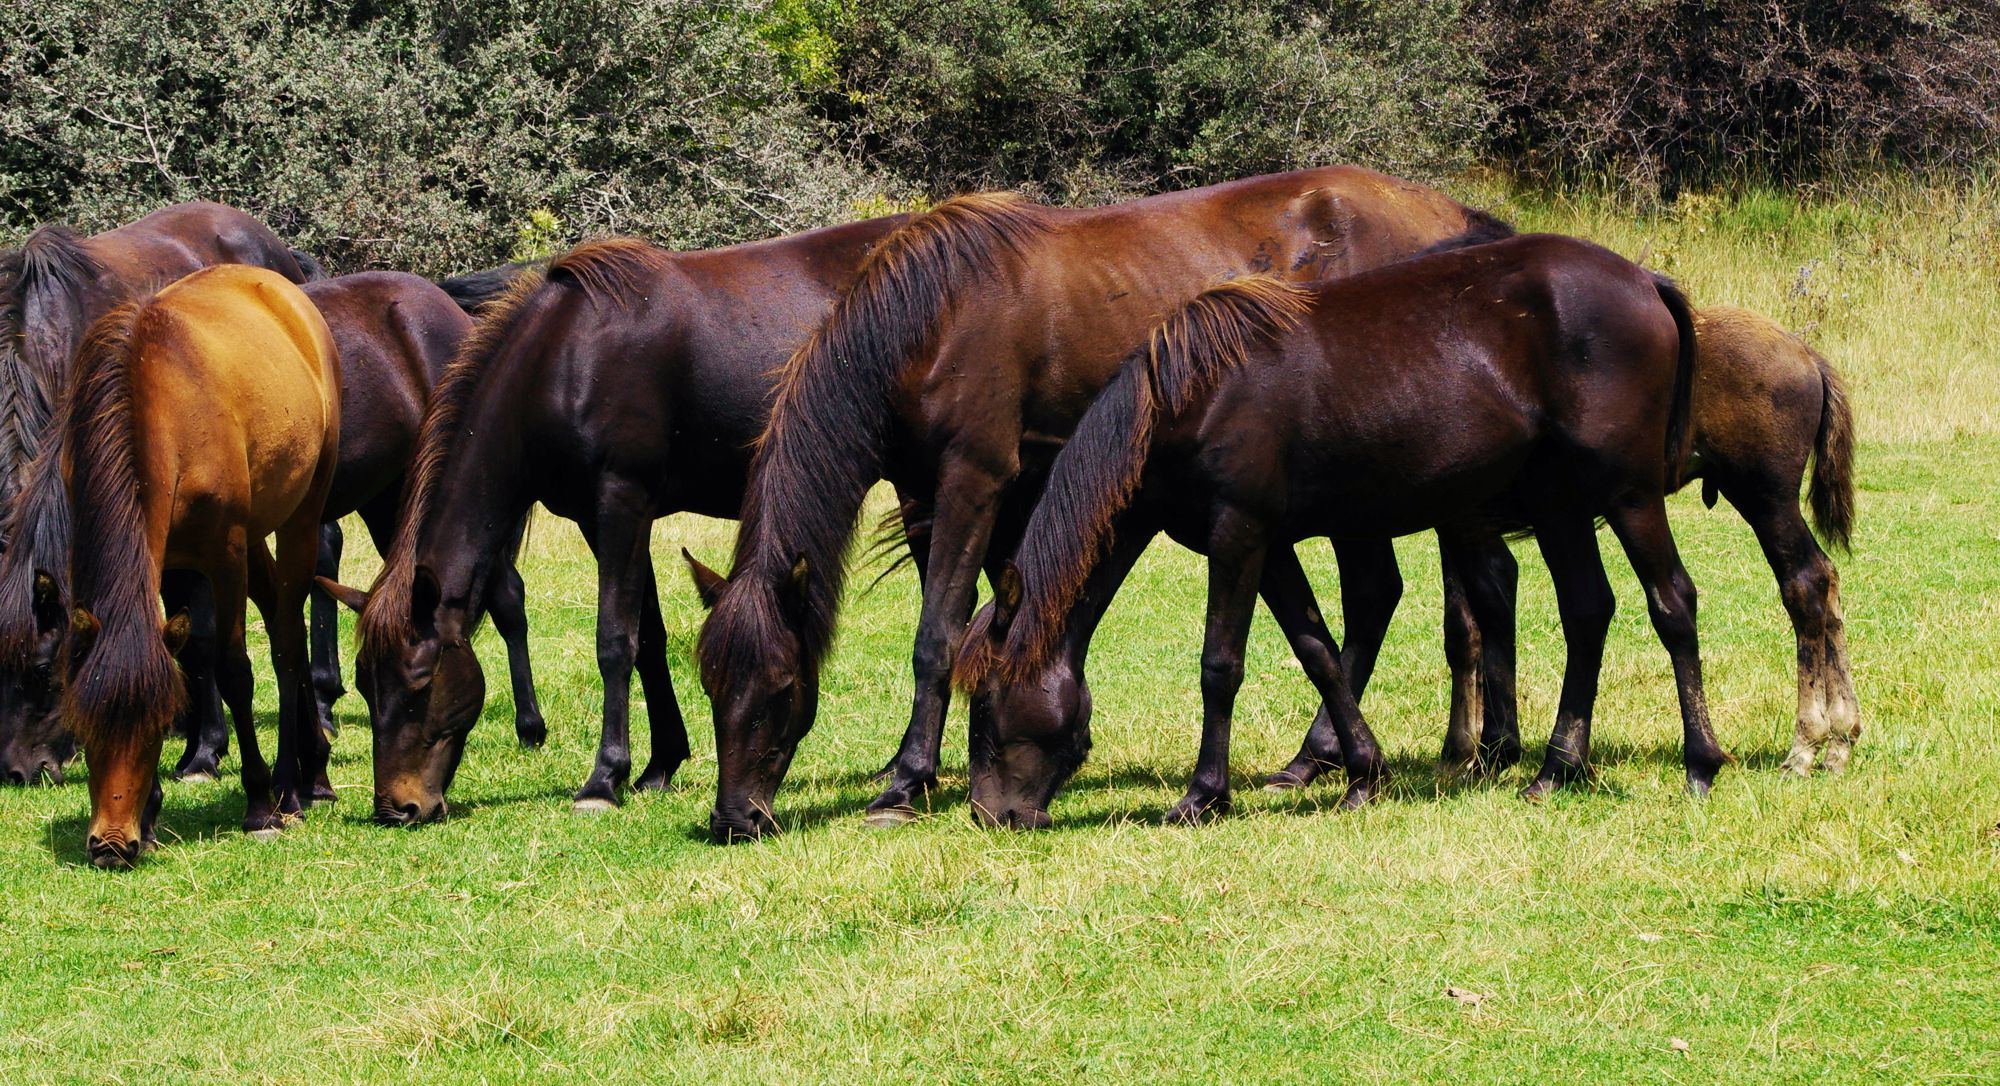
<point x="970" y="344"/>
<point x="1539" y="381"/>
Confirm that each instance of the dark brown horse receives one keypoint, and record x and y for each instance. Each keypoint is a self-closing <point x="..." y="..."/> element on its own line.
<point x="617" y="385"/>
<point x="1541" y="381"/>
<point x="199" y="422"/>
<point x="973" y="340"/>
<point x="51" y="290"/>
<point x="1765" y="405"/>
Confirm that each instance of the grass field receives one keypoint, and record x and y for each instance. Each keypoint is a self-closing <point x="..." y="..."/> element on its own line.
<point x="1827" y="931"/>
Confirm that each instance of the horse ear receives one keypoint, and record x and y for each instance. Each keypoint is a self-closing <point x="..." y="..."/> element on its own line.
<point x="1006" y="597"/>
<point x="425" y="595"/>
<point x="83" y="629"/>
<point x="48" y="602"/>
<point x="708" y="584"/>
<point x="354" y="598"/>
<point x="175" y="635"/>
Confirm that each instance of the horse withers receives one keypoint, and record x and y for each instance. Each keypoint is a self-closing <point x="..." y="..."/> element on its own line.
<point x="201" y="421"/>
<point x="1540" y="382"/>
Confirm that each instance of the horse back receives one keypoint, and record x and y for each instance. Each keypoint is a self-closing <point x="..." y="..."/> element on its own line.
<point x="238" y="396"/>
<point x="1100" y="278"/>
<point x="1758" y="395"/>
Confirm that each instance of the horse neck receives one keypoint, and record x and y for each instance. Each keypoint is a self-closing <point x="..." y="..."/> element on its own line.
<point x="478" y="499"/>
<point x="113" y="569"/>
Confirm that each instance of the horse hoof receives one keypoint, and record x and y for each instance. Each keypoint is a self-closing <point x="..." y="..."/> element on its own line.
<point x="1540" y="790"/>
<point x="1283" y="780"/>
<point x="592" y="805"/>
<point x="886" y="818"/>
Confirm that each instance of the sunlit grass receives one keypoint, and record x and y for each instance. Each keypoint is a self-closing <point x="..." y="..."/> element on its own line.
<point x="1823" y="931"/>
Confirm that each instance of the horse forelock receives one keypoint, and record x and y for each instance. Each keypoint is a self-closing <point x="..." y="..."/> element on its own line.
<point x="822" y="447"/>
<point x="129" y="687"/>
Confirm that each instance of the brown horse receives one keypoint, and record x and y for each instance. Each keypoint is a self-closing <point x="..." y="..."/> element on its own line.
<point x="395" y="333"/>
<point x="1541" y="381"/>
<point x="972" y="341"/>
<point x="52" y="289"/>
<point x="1765" y="405"/>
<point x="200" y="421"/>
<point x="618" y="384"/>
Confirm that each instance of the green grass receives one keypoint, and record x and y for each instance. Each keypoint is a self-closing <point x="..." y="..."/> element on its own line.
<point x="1834" y="930"/>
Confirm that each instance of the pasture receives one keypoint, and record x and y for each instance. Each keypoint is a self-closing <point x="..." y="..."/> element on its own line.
<point x="1825" y="931"/>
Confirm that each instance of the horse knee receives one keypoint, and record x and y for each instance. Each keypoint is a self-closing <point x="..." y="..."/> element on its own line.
<point x="615" y="652"/>
<point x="1222" y="673"/>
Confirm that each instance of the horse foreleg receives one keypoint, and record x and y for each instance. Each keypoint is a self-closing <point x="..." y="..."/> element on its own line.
<point x="665" y="726"/>
<point x="621" y="538"/>
<point x="230" y="584"/>
<point x="509" y="604"/>
<point x="968" y="502"/>
<point x="1290" y="596"/>
<point x="1235" y="568"/>
<point x="207" y="732"/>
<point x="325" y="629"/>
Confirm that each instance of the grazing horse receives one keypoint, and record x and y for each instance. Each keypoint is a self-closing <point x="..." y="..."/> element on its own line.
<point x="52" y="289"/>
<point x="973" y="340"/>
<point x="394" y="333"/>
<point x="1765" y="405"/>
<point x="1540" y="381"/>
<point x="616" y="385"/>
<point x="199" y="422"/>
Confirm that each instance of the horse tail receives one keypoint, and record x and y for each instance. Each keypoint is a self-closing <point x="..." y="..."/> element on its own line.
<point x="1097" y="473"/>
<point x="474" y="290"/>
<point x="310" y="269"/>
<point x="128" y="688"/>
<point x="1831" y="487"/>
<point x="1680" y="410"/>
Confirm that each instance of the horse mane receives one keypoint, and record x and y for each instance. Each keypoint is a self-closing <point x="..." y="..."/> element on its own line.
<point x="474" y="290"/>
<point x="128" y="687"/>
<point x="823" y="446"/>
<point x="597" y="269"/>
<point x="40" y="310"/>
<point x="1097" y="473"/>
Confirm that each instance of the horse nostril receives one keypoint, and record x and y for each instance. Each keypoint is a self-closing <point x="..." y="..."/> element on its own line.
<point x="15" y="776"/>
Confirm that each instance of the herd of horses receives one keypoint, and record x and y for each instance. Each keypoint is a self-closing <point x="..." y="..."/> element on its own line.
<point x="188" y="405"/>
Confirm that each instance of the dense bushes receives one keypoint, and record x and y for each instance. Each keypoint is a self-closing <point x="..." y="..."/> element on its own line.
<point x="438" y="134"/>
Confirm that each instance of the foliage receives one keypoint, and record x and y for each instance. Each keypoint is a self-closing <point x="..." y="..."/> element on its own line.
<point x="1664" y="92"/>
<point x="427" y="134"/>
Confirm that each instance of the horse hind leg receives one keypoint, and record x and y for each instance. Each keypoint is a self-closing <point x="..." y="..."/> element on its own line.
<point x="1585" y="603"/>
<point x="1827" y="720"/>
<point x="1371" y="585"/>
<point x="1670" y="598"/>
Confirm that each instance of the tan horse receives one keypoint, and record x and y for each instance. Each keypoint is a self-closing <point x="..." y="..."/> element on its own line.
<point x="202" y="421"/>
